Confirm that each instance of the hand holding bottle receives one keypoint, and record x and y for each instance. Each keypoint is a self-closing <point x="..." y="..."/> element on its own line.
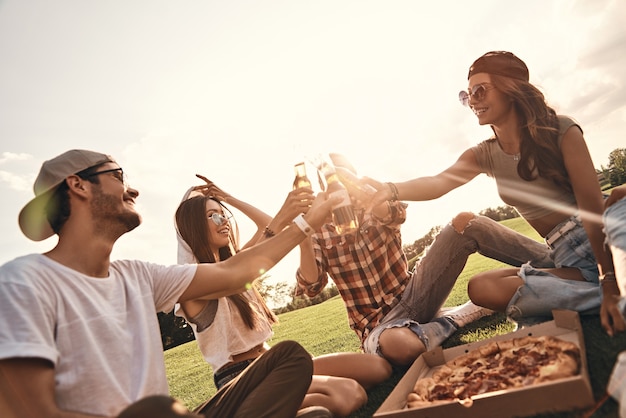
<point x="356" y="186"/>
<point x="344" y="218"/>
<point x="298" y="201"/>
<point x="320" y="209"/>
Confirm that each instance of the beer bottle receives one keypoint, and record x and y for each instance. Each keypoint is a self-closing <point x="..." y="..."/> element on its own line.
<point x="350" y="179"/>
<point x="301" y="179"/>
<point x="344" y="218"/>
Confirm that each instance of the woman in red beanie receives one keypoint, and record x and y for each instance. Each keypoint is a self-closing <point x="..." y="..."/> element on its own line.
<point x="542" y="167"/>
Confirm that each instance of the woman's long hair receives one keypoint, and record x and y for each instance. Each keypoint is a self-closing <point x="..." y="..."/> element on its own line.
<point x="192" y="224"/>
<point x="539" y="150"/>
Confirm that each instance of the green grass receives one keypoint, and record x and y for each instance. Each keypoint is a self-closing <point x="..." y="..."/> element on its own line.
<point x="323" y="329"/>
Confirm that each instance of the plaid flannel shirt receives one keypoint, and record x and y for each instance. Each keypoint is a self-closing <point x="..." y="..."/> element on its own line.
<point x="368" y="267"/>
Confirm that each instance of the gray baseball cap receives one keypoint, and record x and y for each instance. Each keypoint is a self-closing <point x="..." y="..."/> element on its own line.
<point x="32" y="218"/>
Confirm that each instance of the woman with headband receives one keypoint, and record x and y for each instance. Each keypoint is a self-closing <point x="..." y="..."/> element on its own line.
<point x="542" y="167"/>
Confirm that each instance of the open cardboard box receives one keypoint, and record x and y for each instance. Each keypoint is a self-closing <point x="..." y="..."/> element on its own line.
<point x="560" y="395"/>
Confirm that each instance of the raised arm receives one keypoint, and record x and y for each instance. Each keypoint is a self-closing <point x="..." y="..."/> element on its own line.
<point x="256" y="215"/>
<point x="297" y="201"/>
<point x="309" y="277"/>
<point x="236" y="273"/>
<point x="429" y="187"/>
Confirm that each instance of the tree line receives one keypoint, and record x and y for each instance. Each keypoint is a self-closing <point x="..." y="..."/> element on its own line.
<point x="615" y="173"/>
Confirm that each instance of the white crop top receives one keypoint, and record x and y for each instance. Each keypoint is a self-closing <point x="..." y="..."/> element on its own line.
<point x="228" y="335"/>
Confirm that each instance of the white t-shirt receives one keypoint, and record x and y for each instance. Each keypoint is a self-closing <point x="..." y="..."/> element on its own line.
<point x="102" y="335"/>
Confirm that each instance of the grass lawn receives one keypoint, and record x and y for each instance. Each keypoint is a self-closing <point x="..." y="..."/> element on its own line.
<point x="323" y="329"/>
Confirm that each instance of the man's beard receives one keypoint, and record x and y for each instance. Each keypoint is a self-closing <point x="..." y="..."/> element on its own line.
<point x="107" y="213"/>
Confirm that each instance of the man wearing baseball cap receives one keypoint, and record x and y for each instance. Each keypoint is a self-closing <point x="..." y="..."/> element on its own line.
<point x="79" y="334"/>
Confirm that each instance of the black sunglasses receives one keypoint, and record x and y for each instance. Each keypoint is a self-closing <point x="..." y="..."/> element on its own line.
<point x="478" y="92"/>
<point x="118" y="173"/>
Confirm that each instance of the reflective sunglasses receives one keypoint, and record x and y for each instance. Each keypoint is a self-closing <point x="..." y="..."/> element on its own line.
<point x="218" y="219"/>
<point x="478" y="92"/>
<point x="118" y="173"/>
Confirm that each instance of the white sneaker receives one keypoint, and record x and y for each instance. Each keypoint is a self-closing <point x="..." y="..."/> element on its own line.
<point x="466" y="313"/>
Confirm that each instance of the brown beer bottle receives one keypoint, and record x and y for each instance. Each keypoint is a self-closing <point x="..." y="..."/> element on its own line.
<point x="301" y="179"/>
<point x="344" y="218"/>
<point x="350" y="179"/>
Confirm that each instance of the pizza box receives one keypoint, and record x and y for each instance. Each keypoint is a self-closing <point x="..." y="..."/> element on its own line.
<point x="559" y="395"/>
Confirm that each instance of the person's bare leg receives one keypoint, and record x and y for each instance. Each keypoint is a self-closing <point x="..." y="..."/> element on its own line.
<point x="367" y="369"/>
<point x="339" y="395"/>
<point x="494" y="289"/>
<point x="157" y="406"/>
<point x="400" y="345"/>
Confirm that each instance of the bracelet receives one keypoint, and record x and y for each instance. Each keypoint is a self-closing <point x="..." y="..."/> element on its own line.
<point x="394" y="191"/>
<point x="608" y="277"/>
<point x="268" y="232"/>
<point x="303" y="225"/>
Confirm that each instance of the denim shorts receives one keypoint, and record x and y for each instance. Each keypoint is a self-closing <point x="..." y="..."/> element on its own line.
<point x="615" y="229"/>
<point x="542" y="291"/>
<point x="432" y="333"/>
<point x="573" y="249"/>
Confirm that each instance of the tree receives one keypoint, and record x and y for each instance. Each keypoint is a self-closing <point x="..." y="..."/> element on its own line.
<point x="617" y="167"/>
<point x="174" y="330"/>
<point x="276" y="293"/>
<point x="500" y="213"/>
<point x="418" y="246"/>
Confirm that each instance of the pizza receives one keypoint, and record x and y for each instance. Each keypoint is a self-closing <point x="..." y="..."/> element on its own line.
<point x="498" y="365"/>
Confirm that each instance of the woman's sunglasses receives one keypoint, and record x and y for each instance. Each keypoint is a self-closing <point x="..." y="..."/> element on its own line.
<point x="478" y="92"/>
<point x="218" y="219"/>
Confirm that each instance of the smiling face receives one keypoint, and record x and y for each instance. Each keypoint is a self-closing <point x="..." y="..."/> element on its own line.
<point x="218" y="234"/>
<point x="494" y="107"/>
<point x="113" y="203"/>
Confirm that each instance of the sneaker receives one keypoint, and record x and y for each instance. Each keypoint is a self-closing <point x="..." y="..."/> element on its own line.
<point x="466" y="313"/>
<point x="314" y="412"/>
<point x="442" y="312"/>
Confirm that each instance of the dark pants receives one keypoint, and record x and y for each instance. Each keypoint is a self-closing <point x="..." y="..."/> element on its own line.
<point x="274" y="385"/>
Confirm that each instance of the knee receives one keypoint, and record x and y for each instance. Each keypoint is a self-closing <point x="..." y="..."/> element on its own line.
<point x="475" y="288"/>
<point x="381" y="368"/>
<point x="460" y="221"/>
<point x="354" y="397"/>
<point x="157" y="406"/>
<point x="481" y="286"/>
<point x="292" y="352"/>
<point x="341" y="395"/>
<point x="494" y="289"/>
<point x="292" y="349"/>
<point x="400" y="346"/>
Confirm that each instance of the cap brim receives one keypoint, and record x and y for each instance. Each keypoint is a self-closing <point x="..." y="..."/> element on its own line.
<point x="32" y="218"/>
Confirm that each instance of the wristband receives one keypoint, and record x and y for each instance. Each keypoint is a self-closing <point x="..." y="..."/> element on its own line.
<point x="607" y="277"/>
<point x="394" y="191"/>
<point x="303" y="225"/>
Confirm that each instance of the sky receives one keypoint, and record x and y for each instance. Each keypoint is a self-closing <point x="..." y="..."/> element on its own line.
<point x="240" y="91"/>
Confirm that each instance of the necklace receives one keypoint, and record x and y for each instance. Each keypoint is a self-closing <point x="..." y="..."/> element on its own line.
<point x="516" y="157"/>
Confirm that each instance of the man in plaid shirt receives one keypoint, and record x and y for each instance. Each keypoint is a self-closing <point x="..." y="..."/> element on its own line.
<point x="395" y="313"/>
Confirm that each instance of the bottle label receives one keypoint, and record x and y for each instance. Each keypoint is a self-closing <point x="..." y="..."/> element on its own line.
<point x="301" y="182"/>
